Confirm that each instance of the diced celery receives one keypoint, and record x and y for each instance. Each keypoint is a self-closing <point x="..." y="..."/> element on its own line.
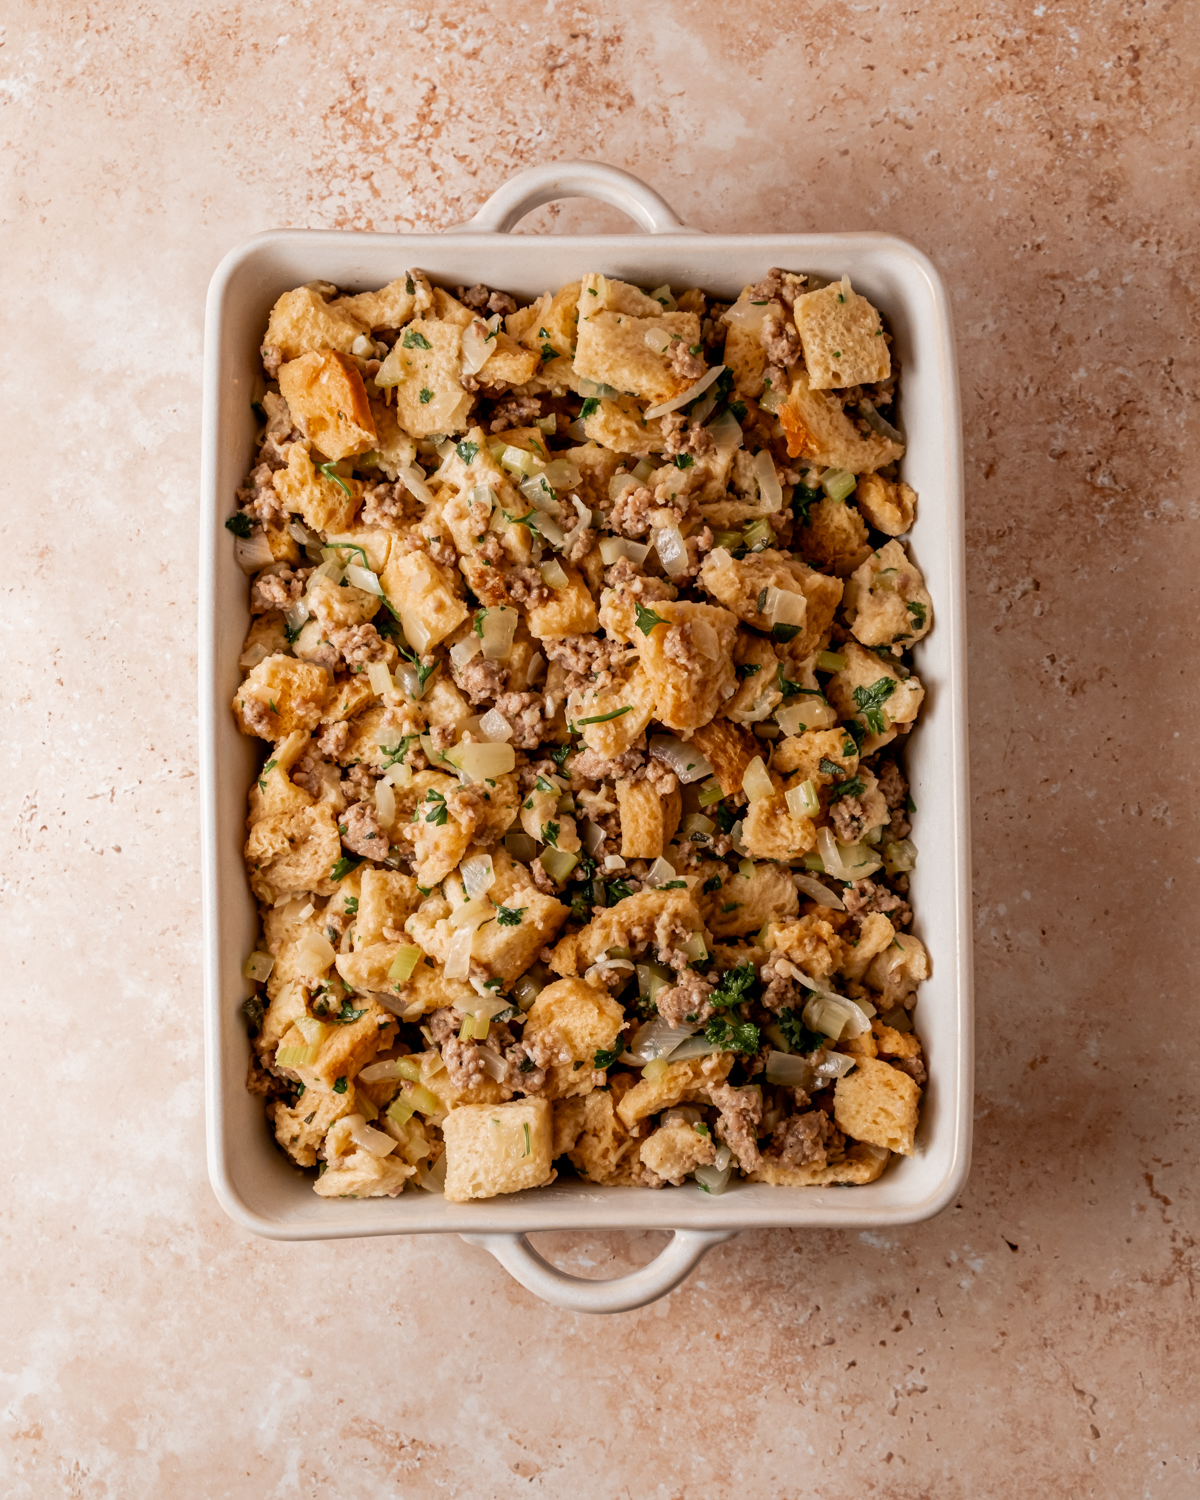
<point x="403" y="964"/>
<point x="831" y="661"/>
<point x="710" y="792"/>
<point x="838" y="484"/>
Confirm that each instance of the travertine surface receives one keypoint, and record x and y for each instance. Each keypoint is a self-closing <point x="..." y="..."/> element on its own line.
<point x="1037" y="1339"/>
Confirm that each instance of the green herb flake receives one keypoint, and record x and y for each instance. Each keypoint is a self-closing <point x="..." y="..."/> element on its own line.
<point x="437" y="814"/>
<point x="426" y="395"/>
<point x="784" y="632"/>
<point x="266" y="771"/>
<point x="917" y="610"/>
<point x="713" y="883"/>
<point x="415" y="339"/>
<point x="334" y="477"/>
<point x="347" y="1014"/>
<point x="870" y="701"/>
<point x="673" y="885"/>
<point x="542" y="785"/>
<point x="343" y="866"/>
<point x="733" y="987"/>
<point x="684" y="460"/>
<point x="241" y="525"/>
<point x="510" y="916"/>
<point x="589" y="408"/>
<point x="351" y="905"/>
<point x="646" y="619"/>
<point x="550" y="834"/>
<point x="605" y="1059"/>
<point x="732" y="1036"/>
<point x="788" y="688"/>
<point x="831" y="767"/>
<point x="855" y="787"/>
<point x="604" y="718"/>
<point x="339" y="1086"/>
<point x="528" y="1147"/>
<point x="410" y="286"/>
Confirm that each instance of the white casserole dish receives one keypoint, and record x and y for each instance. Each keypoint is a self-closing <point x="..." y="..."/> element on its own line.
<point x="256" y="1186"/>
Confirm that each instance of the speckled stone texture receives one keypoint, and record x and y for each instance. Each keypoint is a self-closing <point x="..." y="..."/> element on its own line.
<point x="1037" y="1339"/>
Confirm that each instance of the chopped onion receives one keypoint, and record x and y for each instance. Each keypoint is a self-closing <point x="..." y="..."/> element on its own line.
<point x="526" y="990"/>
<point x="703" y="408"/>
<point x="685" y="397"/>
<point x="258" y="967"/>
<point x="783" y="607"/>
<point x="792" y="1072"/>
<point x="834" y="1064"/>
<point x="492" y="1063"/>
<point x="581" y="525"/>
<point x="812" y="713"/>
<point x="432" y="1179"/>
<point x="368" y="1138"/>
<point x="394" y="1067"/>
<point x="747" y="315"/>
<point x="756" y="781"/>
<point x="458" y="954"/>
<point x="385" y="802"/>
<point x="312" y="1030"/>
<point x="846" y="862"/>
<point x="657" y="339"/>
<point x="651" y="978"/>
<point x="713" y="1179"/>
<point x="380" y="678"/>
<point x="803" y="801"/>
<point x="295" y="616"/>
<point x="463" y="651"/>
<point x="413" y="478"/>
<point x="477" y="347"/>
<point x="706" y="640"/>
<point x="657" y="1038"/>
<point x="331" y="568"/>
<point x="695" y="947"/>
<point x="819" y="893"/>
<point x="838" y="484"/>
<point x="684" y="759"/>
<point x="553" y="575"/>
<point x="495" y="727"/>
<point x="614" y="547"/>
<point x="832" y="1014"/>
<point x="659" y="873"/>
<point x="726" y="433"/>
<point x="696" y="1046"/>
<point x="499" y="627"/>
<point x="477" y="874"/>
<point x="880" y="424"/>
<point x="769" y="487"/>
<point x="671" y="549"/>
<point x="558" y="864"/>
<point x="314" y="952"/>
<point x="363" y="578"/>
<point x="561" y="473"/>
<point x="592" y="836"/>
<point x="253" y="552"/>
<point x="697" y="828"/>
<point x="479" y="761"/>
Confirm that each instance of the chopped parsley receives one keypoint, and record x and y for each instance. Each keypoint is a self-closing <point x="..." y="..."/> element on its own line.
<point x="549" y="352"/>
<point x="713" y="883"/>
<point x="334" y="477"/>
<point x="423" y="672"/>
<point x="674" y="885"/>
<point x="351" y="905"/>
<point x="527" y="1065"/>
<point x="831" y="767"/>
<point x="437" y="814"/>
<point x="788" y="688"/>
<point x="604" y="718"/>
<point x="542" y="785"/>
<point x="415" y="339"/>
<point x="558" y="754"/>
<point x="741" y="1036"/>
<point x="914" y="607"/>
<point x="343" y="866"/>
<point x="784" y="632"/>
<point x="870" y="702"/>
<point x="241" y="524"/>
<point x="646" y="619"/>
<point x="395" y="756"/>
<point x="340" y="1086"/>
<point x="855" y="787"/>
<point x="731" y="906"/>
<point x="617" y="890"/>
<point x="605" y="1059"/>
<point x="348" y="1014"/>
<point x="510" y="916"/>
<point x="589" y="408"/>
<point x="550" y="834"/>
<point x="748" y="669"/>
<point x="702" y="1129"/>
<point x="684" y="460"/>
<point x="738" y="408"/>
<point x="733" y="987"/>
<point x="796" y="1034"/>
<point x="466" y="451"/>
<point x="426" y="395"/>
<point x="909" y="805"/>
<point x="266" y="771"/>
<point x="410" y="286"/>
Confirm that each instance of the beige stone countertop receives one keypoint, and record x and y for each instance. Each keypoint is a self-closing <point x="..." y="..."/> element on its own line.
<point x="1040" y="1337"/>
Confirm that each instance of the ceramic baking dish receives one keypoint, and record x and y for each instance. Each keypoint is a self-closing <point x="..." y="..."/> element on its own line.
<point x="257" y="1187"/>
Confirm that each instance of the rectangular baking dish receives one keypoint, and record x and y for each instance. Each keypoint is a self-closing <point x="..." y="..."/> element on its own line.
<point x="254" y="1183"/>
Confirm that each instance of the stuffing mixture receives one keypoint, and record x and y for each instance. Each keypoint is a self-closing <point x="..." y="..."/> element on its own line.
<point x="580" y="654"/>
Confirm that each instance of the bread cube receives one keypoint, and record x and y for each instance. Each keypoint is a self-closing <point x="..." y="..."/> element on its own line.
<point x="891" y="603"/>
<point x="893" y="1043"/>
<point x="612" y="346"/>
<point x="621" y="424"/>
<point x="682" y="1080"/>
<point x="745" y="357"/>
<point x="497" y="1148"/>
<point x="896" y="972"/>
<point x="861" y="1163"/>
<point x="424" y="367"/>
<point x="364" y="1175"/>
<point x="878" y="1104"/>
<point x="303" y="322"/>
<point x="841" y="336"/>
<point x="729" y="750"/>
<point x="869" y="674"/>
<point x="273" y="792"/>
<point x="673" y="1151"/>
<point x="570" y="610"/>
<point x="802" y="754"/>
<point x="689" y="661"/>
<point x="301" y="1127"/>
<point x="320" y="501"/>
<point x="876" y="934"/>
<point x="348" y="1047"/>
<point x="345" y="703"/>
<point x="647" y="919"/>
<point x="648" y="819"/>
<point x="744" y="902"/>
<point x="328" y="401"/>
<point x="817" y="428"/>
<point x="508" y="364"/>
<point x="586" y="1018"/>
<point x="834" y="537"/>
<point x="611" y="719"/>
<point x="392" y="305"/>
<point x="770" y="830"/>
<point x="427" y="596"/>
<point x="279" y="696"/>
<point x="811" y="943"/>
<point x="740" y="585"/>
<point x="890" y="507"/>
<point x="290" y="853"/>
<point x="388" y="898"/>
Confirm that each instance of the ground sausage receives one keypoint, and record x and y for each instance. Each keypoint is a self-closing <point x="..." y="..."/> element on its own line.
<point x="741" y="1113"/>
<point x="361" y="833"/>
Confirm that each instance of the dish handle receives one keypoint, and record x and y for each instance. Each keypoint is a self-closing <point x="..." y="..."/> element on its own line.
<point x="578" y="1294"/>
<point x="528" y="190"/>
